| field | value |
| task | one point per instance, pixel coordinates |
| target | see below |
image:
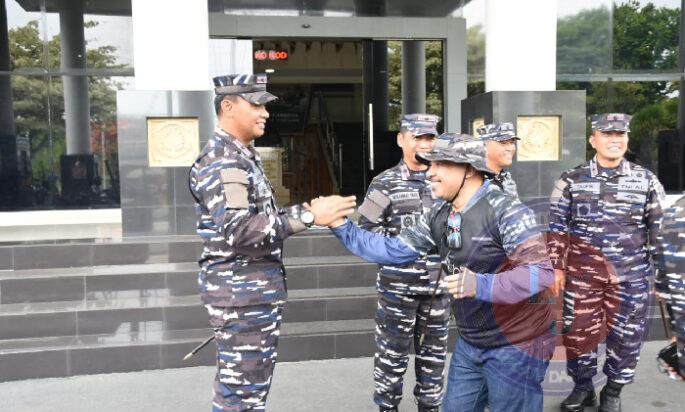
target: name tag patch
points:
(592, 187)
(633, 183)
(404, 196)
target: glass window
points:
(37, 173)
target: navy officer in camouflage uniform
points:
(395, 200)
(605, 216)
(670, 282)
(500, 142)
(496, 262)
(242, 279)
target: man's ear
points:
(399, 139)
(227, 107)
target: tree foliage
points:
(629, 38)
(434, 75)
(38, 101)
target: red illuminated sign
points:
(270, 55)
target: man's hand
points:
(559, 282)
(462, 284)
(331, 210)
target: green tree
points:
(475, 60)
(434, 86)
(38, 98)
(642, 37)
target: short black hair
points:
(221, 97)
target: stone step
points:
(86, 253)
(118, 315)
(165, 279)
(144, 350)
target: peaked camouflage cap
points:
(458, 148)
(498, 132)
(611, 122)
(251, 87)
(420, 123)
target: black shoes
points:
(578, 400)
(421, 409)
(609, 398)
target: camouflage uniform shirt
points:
(604, 223)
(241, 229)
(407, 194)
(504, 180)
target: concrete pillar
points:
(6, 112)
(170, 44)
(380, 84)
(73, 62)
(413, 77)
(520, 45)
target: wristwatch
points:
(307, 217)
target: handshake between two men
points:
(331, 211)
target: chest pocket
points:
(585, 198)
(263, 193)
(629, 207)
(404, 203)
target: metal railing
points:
(332, 148)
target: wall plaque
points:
(173, 141)
(475, 124)
(540, 138)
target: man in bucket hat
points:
(500, 143)
(242, 279)
(496, 263)
(396, 198)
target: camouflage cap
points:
(420, 123)
(609, 122)
(458, 148)
(251, 87)
(498, 132)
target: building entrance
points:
(335, 122)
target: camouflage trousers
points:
(593, 308)
(246, 339)
(400, 319)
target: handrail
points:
(332, 148)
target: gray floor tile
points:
(351, 308)
(297, 348)
(45, 364)
(37, 325)
(113, 359)
(69, 288)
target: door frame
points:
(451, 30)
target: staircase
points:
(85, 307)
(81, 307)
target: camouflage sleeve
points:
(653, 217)
(559, 221)
(531, 271)
(670, 279)
(228, 196)
(375, 210)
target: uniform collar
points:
(408, 174)
(623, 168)
(248, 151)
